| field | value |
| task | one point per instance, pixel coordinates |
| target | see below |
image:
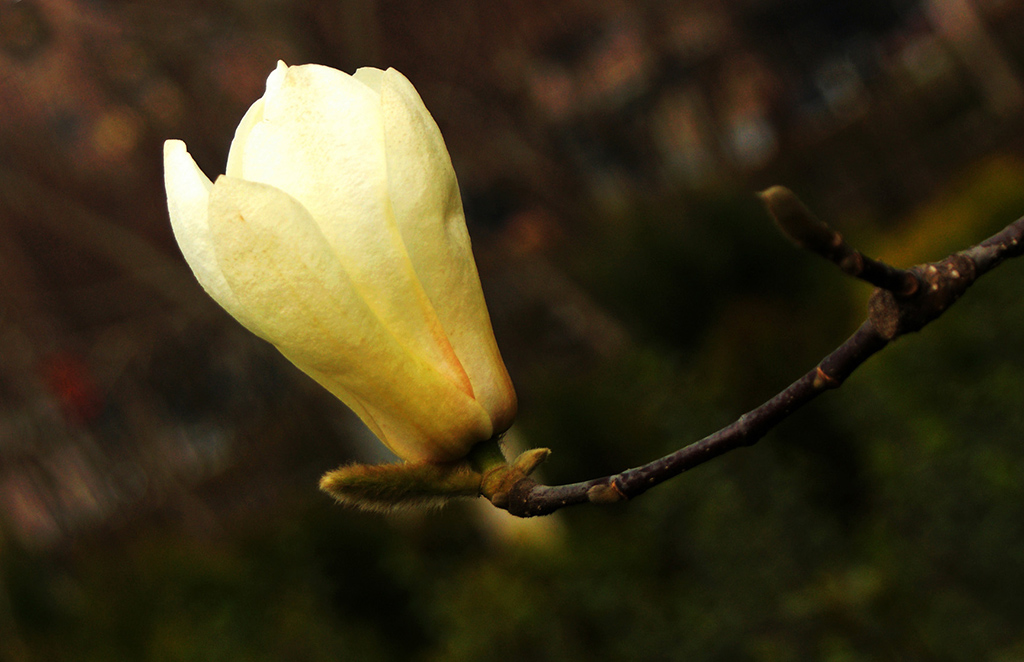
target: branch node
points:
(605, 493)
(943, 283)
(824, 380)
(852, 264)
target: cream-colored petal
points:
(420, 428)
(274, 255)
(252, 117)
(428, 209)
(188, 197)
(321, 141)
(369, 76)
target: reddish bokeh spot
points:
(70, 380)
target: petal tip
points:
(276, 77)
(174, 146)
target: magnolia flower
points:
(337, 234)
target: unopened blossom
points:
(337, 234)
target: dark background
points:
(158, 465)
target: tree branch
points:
(906, 300)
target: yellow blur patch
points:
(969, 210)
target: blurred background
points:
(158, 464)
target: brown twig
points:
(807, 231)
(896, 308)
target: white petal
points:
(188, 196)
(428, 209)
(322, 142)
(416, 422)
(252, 117)
(370, 77)
(287, 276)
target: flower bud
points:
(337, 234)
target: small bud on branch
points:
(807, 231)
